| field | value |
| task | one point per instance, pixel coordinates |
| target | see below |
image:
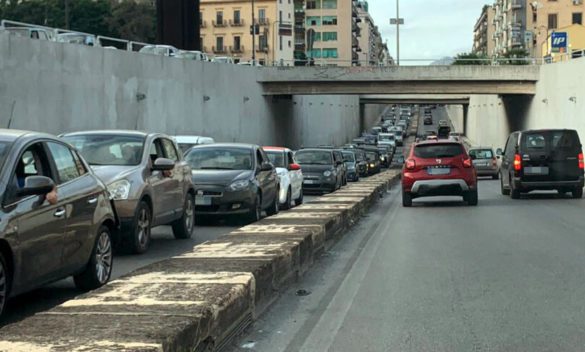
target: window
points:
(329, 20)
(577, 18)
(552, 21)
(315, 53)
(67, 168)
(329, 4)
(263, 41)
(219, 17)
(277, 158)
(237, 42)
(262, 14)
(317, 36)
(330, 53)
(438, 150)
(313, 4)
(156, 150)
(170, 151)
(481, 154)
(329, 36)
(32, 162)
(219, 43)
(237, 16)
(313, 21)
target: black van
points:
(542, 160)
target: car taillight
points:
(410, 164)
(467, 162)
(517, 162)
(581, 162)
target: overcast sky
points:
(433, 29)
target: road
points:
(504, 276)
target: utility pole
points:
(253, 34)
(67, 14)
(397, 21)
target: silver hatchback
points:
(484, 161)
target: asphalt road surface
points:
(507, 275)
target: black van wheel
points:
(577, 193)
(505, 191)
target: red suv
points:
(438, 168)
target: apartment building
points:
(483, 32)
(526, 25)
(226, 30)
(371, 48)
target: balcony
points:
(237, 49)
(219, 49)
(515, 4)
(262, 48)
(222, 23)
(202, 24)
(263, 21)
(238, 23)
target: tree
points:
(133, 21)
(517, 57)
(89, 16)
(471, 59)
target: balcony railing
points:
(219, 49)
(238, 23)
(263, 21)
(237, 49)
(262, 48)
(222, 23)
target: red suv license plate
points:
(438, 170)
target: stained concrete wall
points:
(455, 115)
(54, 87)
(487, 124)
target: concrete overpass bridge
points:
(458, 80)
(415, 99)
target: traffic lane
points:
(443, 276)
(163, 246)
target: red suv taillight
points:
(467, 162)
(517, 162)
(581, 162)
(410, 164)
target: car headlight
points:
(239, 185)
(372, 165)
(327, 173)
(119, 190)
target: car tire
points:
(514, 193)
(299, 200)
(577, 193)
(183, 227)
(275, 207)
(4, 283)
(141, 229)
(471, 197)
(406, 199)
(287, 203)
(255, 212)
(504, 191)
(99, 268)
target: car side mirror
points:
(294, 167)
(266, 167)
(163, 164)
(499, 152)
(36, 186)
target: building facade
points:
(484, 31)
(371, 48)
(226, 30)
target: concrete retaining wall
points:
(55, 88)
(201, 299)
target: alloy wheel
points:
(189, 214)
(143, 227)
(103, 257)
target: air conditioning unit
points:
(577, 2)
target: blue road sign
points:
(559, 42)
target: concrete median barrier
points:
(201, 299)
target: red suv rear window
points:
(443, 150)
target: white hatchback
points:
(290, 175)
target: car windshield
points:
(386, 137)
(4, 148)
(108, 149)
(314, 157)
(220, 158)
(276, 158)
(481, 153)
(370, 156)
(437, 150)
(186, 146)
(349, 156)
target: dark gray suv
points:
(56, 216)
(542, 160)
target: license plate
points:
(202, 200)
(438, 170)
(536, 170)
(310, 182)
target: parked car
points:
(373, 159)
(386, 155)
(77, 38)
(191, 55)
(29, 32)
(290, 176)
(233, 179)
(484, 161)
(186, 142)
(56, 216)
(387, 139)
(350, 160)
(438, 168)
(542, 160)
(223, 60)
(147, 178)
(322, 172)
(428, 120)
(161, 50)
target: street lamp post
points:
(253, 34)
(397, 21)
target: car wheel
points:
(406, 199)
(140, 240)
(288, 202)
(344, 181)
(503, 190)
(577, 193)
(471, 197)
(99, 269)
(274, 208)
(183, 227)
(4, 283)
(514, 193)
(299, 200)
(255, 212)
